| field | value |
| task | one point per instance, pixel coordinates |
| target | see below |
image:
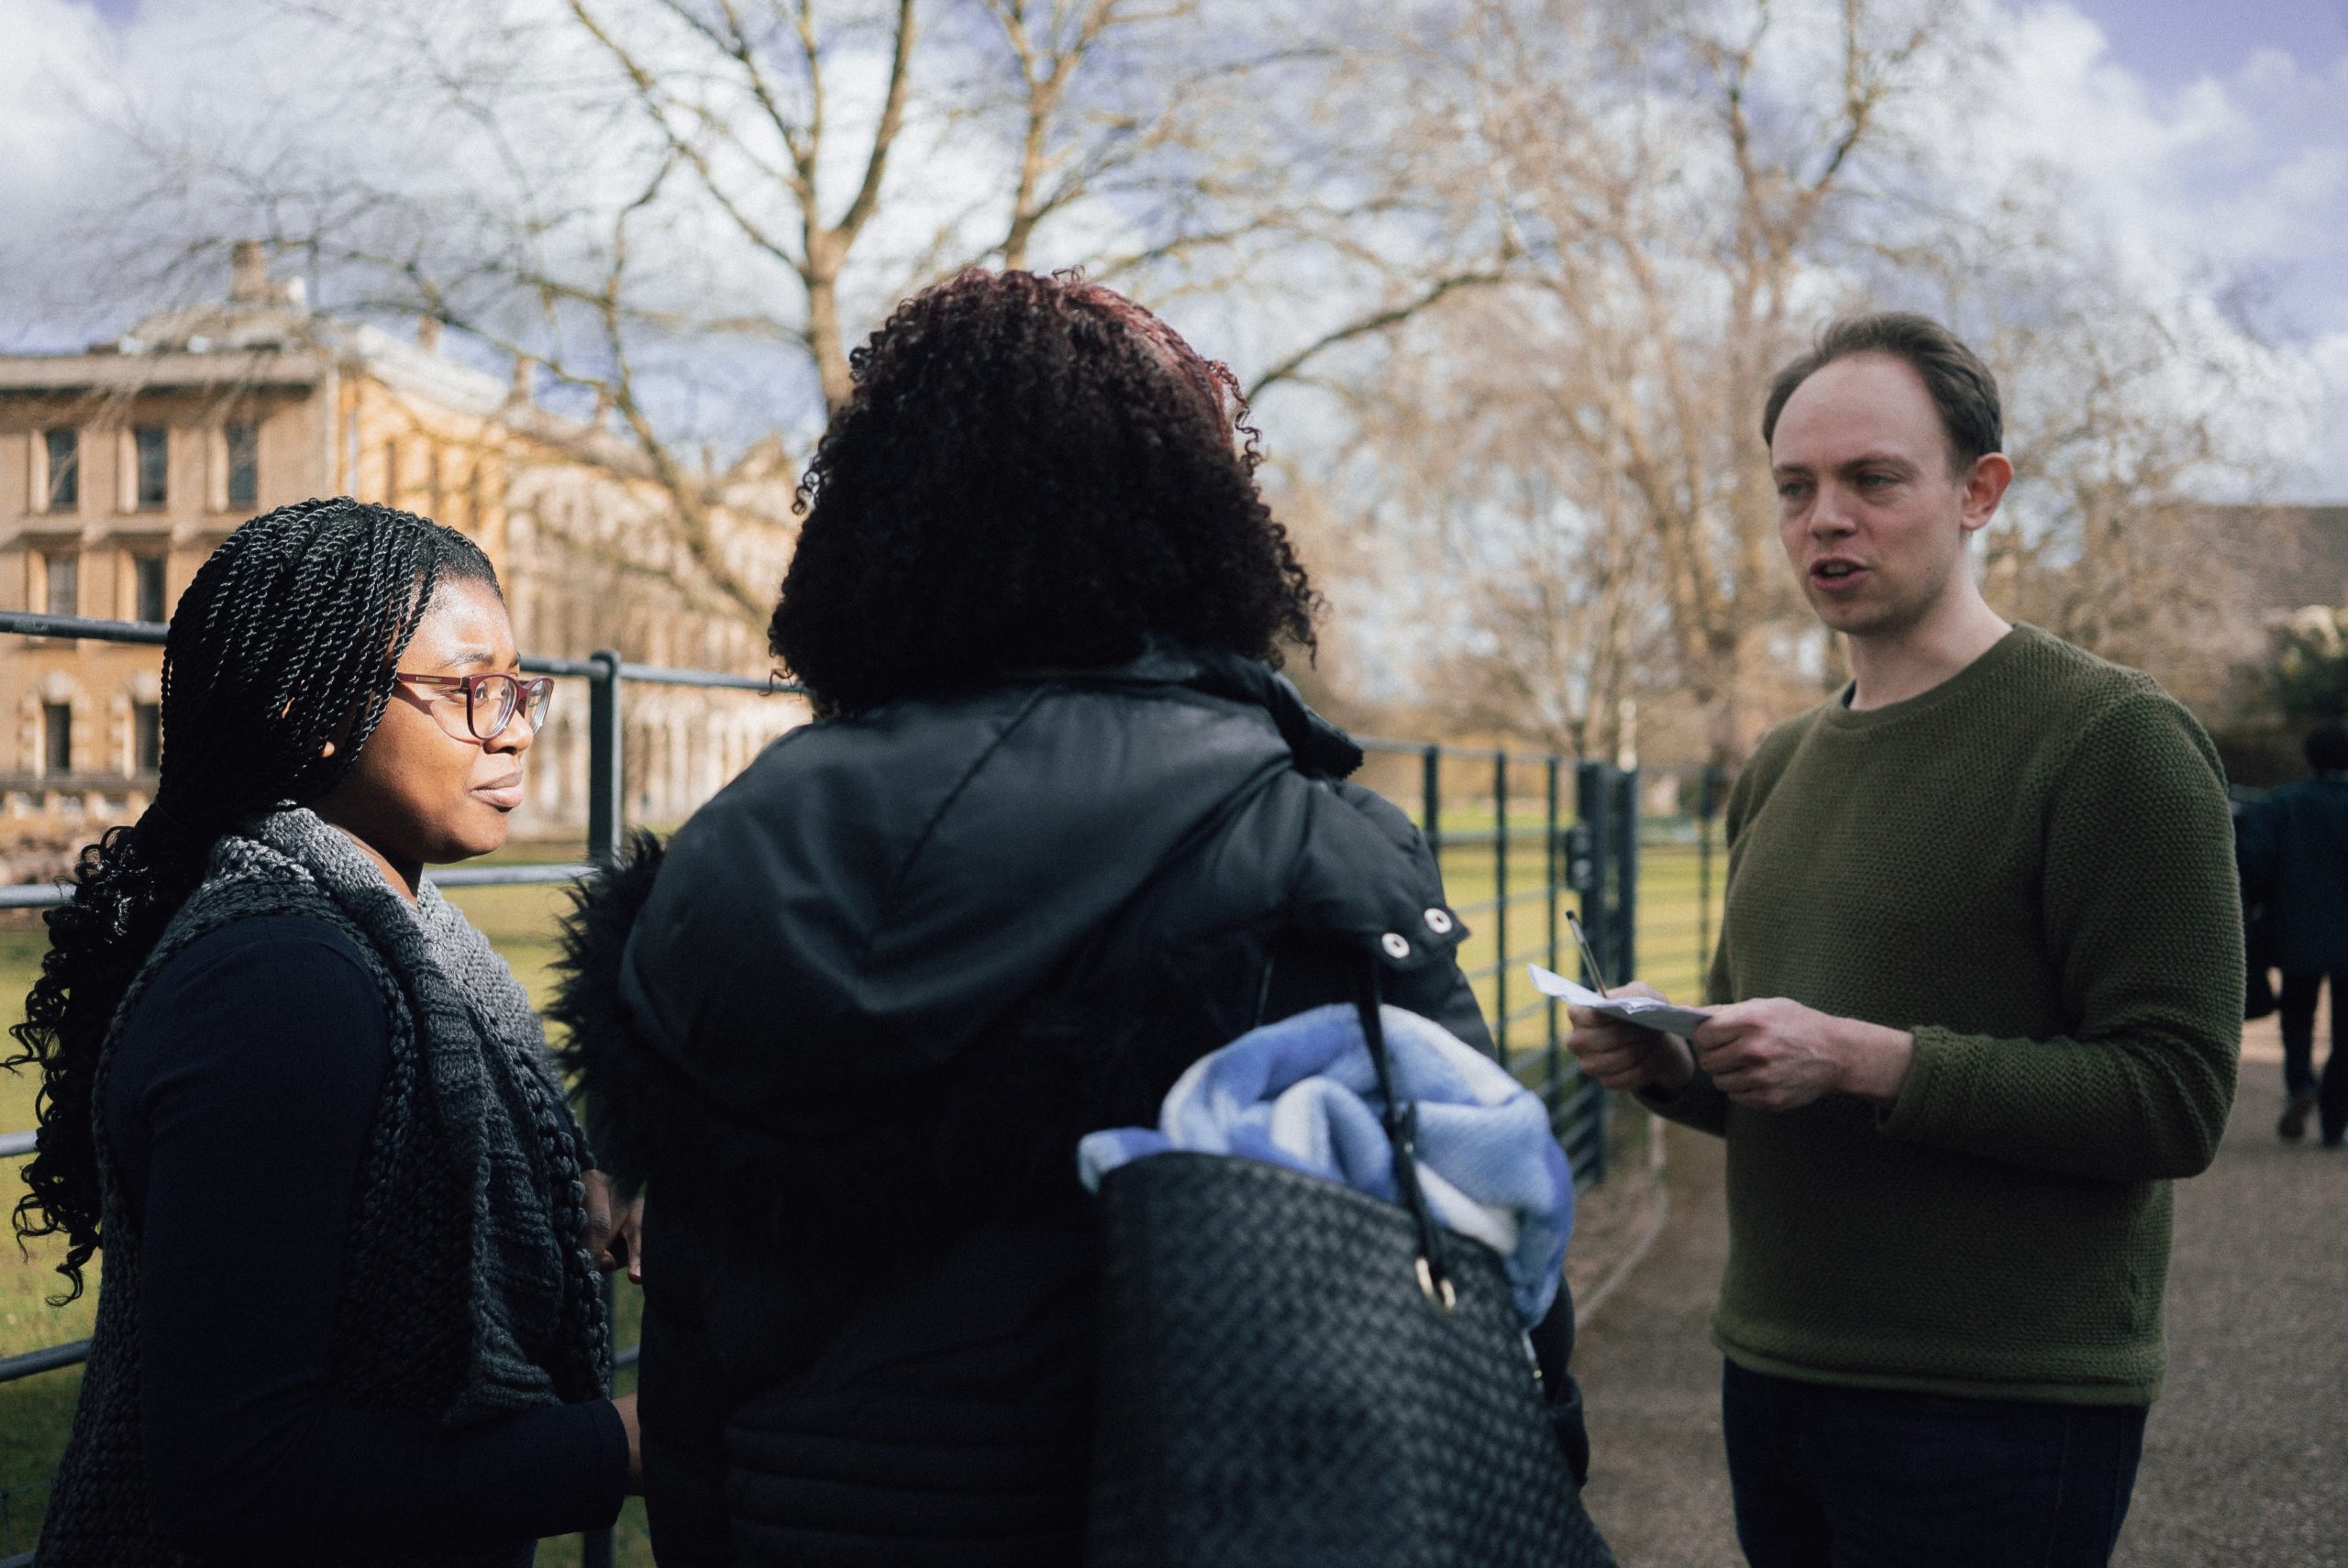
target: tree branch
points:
(1369, 325)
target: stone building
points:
(123, 467)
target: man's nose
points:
(1832, 513)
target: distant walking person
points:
(2295, 857)
(350, 1309)
(1977, 992)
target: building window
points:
(64, 584)
(57, 725)
(391, 471)
(146, 737)
(244, 465)
(64, 453)
(147, 580)
(153, 446)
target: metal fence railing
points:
(1516, 833)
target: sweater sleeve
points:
(2144, 922)
(249, 1076)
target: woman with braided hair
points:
(349, 1310)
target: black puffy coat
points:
(866, 1006)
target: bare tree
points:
(680, 214)
(2104, 541)
(1526, 554)
(1692, 191)
(1680, 187)
(1538, 258)
(2128, 409)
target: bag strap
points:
(1402, 1132)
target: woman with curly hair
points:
(349, 1310)
(1058, 831)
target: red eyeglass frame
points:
(531, 694)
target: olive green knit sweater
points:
(2031, 867)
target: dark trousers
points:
(1858, 1478)
(2296, 1006)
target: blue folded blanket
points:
(1301, 1093)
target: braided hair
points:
(1032, 470)
(287, 639)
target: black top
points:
(850, 1032)
(237, 1111)
(2294, 850)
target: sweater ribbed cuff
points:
(1936, 1073)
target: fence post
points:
(1430, 800)
(1499, 906)
(606, 820)
(607, 775)
(1594, 802)
(1625, 957)
(1590, 804)
(1708, 795)
(1554, 864)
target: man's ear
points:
(1985, 486)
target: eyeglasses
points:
(492, 700)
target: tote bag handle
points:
(1402, 1132)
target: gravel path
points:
(2246, 1459)
(1650, 1378)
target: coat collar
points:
(1321, 748)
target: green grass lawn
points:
(36, 1412)
(1675, 926)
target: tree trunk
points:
(824, 342)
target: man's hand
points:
(1774, 1055)
(1624, 1056)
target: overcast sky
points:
(2255, 96)
(2225, 127)
(2213, 134)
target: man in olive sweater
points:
(1976, 1004)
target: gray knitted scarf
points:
(467, 1292)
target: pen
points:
(1588, 958)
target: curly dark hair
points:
(1032, 472)
(286, 639)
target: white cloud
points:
(56, 71)
(71, 86)
(2249, 173)
(2230, 189)
(61, 55)
(2220, 201)
(2326, 460)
